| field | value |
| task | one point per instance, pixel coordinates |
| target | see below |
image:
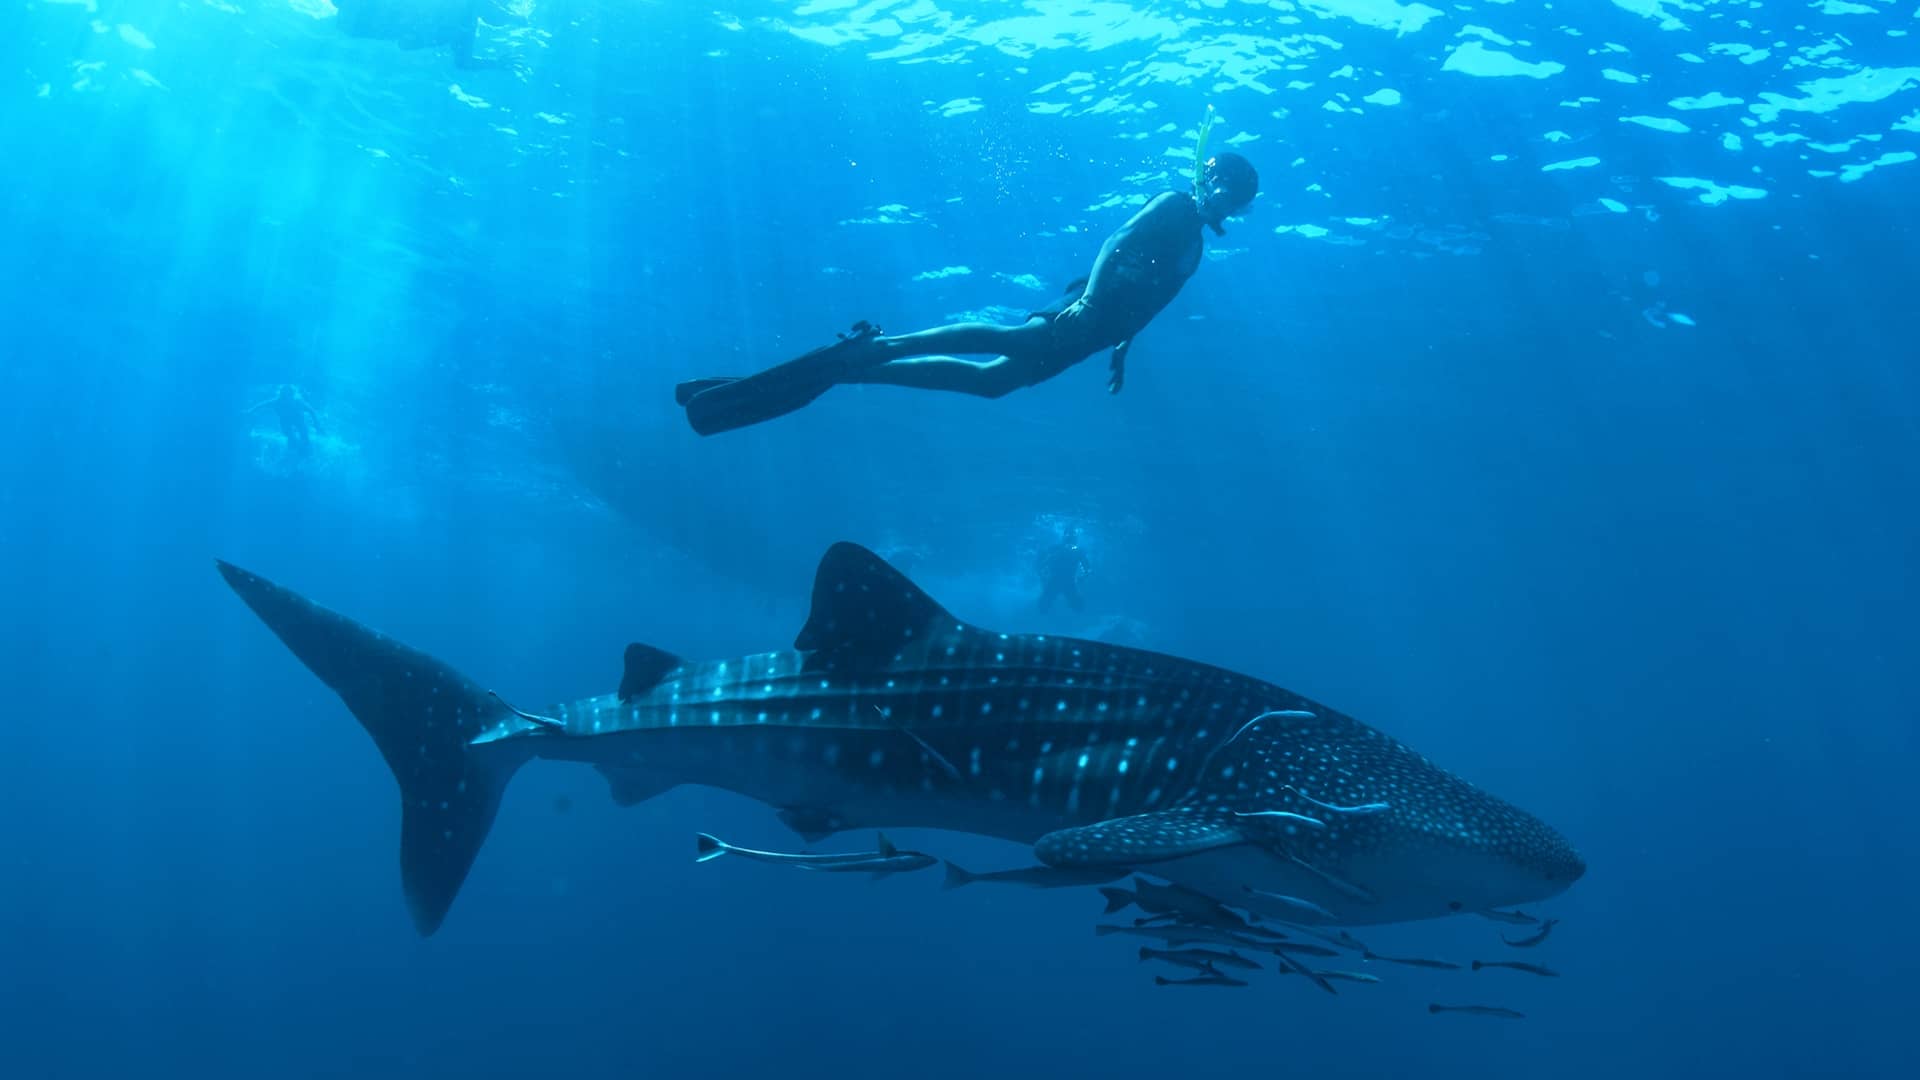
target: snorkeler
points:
(1139, 270)
(298, 419)
(1061, 567)
(419, 24)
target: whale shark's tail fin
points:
(423, 715)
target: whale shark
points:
(890, 712)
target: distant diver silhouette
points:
(1061, 567)
(298, 420)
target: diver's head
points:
(1228, 183)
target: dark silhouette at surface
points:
(422, 24)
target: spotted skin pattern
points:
(891, 712)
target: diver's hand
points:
(1117, 367)
(1071, 312)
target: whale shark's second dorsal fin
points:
(645, 666)
(866, 612)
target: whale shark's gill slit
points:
(1311, 823)
(1342, 884)
(939, 758)
(1362, 808)
(1271, 714)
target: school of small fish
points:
(1201, 934)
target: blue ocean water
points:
(1554, 409)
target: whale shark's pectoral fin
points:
(1142, 838)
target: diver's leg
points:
(1028, 354)
(866, 356)
(1074, 599)
(967, 339)
(983, 378)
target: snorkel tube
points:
(1200, 192)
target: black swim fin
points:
(684, 392)
(716, 405)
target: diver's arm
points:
(1117, 367)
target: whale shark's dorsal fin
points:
(865, 612)
(645, 666)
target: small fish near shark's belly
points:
(1362, 890)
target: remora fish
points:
(1185, 935)
(1288, 963)
(1170, 900)
(1215, 979)
(1301, 906)
(1349, 976)
(1535, 938)
(1478, 1010)
(889, 711)
(886, 860)
(1531, 969)
(1199, 958)
(1299, 947)
(1412, 961)
(1515, 918)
